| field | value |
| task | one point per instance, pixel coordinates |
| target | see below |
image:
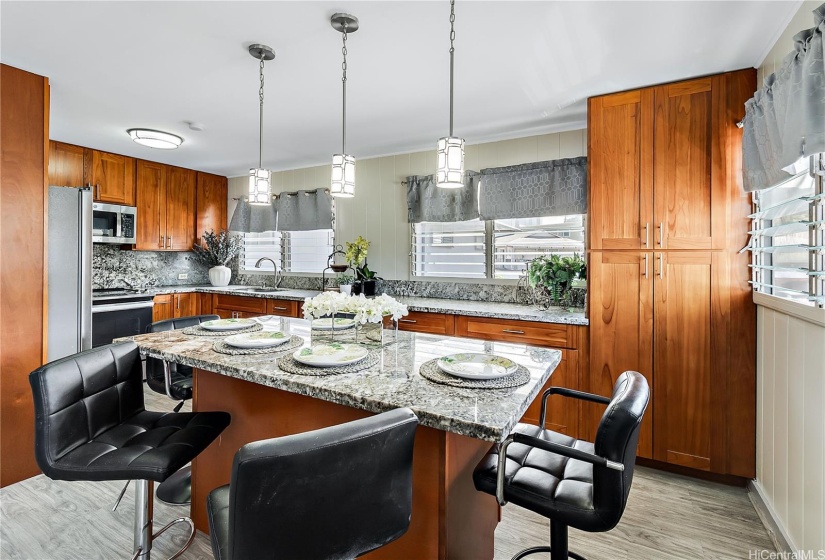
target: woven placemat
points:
(289, 365)
(430, 371)
(222, 347)
(198, 330)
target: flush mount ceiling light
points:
(260, 191)
(343, 165)
(449, 173)
(155, 138)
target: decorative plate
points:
(330, 355)
(476, 366)
(260, 339)
(326, 324)
(228, 324)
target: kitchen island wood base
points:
(450, 519)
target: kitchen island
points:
(450, 518)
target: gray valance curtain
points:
(304, 210)
(785, 120)
(547, 188)
(254, 218)
(428, 203)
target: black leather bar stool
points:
(338, 492)
(572, 482)
(91, 424)
(175, 381)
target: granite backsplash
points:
(113, 267)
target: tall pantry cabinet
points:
(668, 291)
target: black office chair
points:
(572, 482)
(91, 424)
(338, 492)
(175, 381)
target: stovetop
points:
(112, 294)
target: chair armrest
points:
(581, 395)
(547, 446)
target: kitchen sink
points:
(260, 290)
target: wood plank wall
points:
(24, 138)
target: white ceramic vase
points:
(345, 289)
(220, 275)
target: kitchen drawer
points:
(283, 307)
(508, 330)
(224, 313)
(431, 323)
(239, 303)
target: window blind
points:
(448, 249)
(788, 237)
(294, 251)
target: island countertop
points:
(486, 414)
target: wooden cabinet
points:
(211, 204)
(65, 165)
(677, 309)
(165, 203)
(172, 306)
(432, 323)
(111, 176)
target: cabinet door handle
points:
(407, 321)
(661, 232)
(509, 331)
(645, 273)
(169, 242)
(97, 191)
(647, 235)
(177, 301)
(162, 240)
(279, 308)
(661, 266)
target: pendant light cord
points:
(344, 85)
(261, 120)
(452, 56)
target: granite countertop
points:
(487, 414)
(492, 309)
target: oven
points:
(118, 313)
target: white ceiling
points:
(522, 68)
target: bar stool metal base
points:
(177, 489)
(558, 545)
(143, 524)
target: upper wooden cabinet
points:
(166, 207)
(111, 176)
(65, 165)
(660, 164)
(211, 199)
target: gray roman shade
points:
(548, 188)
(428, 203)
(785, 120)
(253, 218)
(304, 210)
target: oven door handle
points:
(121, 306)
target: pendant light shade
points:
(449, 172)
(343, 165)
(260, 186)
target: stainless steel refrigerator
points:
(70, 271)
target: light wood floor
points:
(667, 517)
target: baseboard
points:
(780, 537)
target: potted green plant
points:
(345, 283)
(554, 277)
(356, 255)
(215, 251)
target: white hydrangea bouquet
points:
(368, 314)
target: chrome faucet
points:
(277, 273)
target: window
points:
(492, 249)
(788, 239)
(294, 251)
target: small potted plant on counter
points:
(356, 255)
(558, 280)
(215, 251)
(345, 283)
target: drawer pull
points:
(509, 331)
(280, 308)
(407, 321)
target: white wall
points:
(790, 422)
(379, 209)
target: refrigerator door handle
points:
(85, 272)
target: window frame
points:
(284, 255)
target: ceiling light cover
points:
(155, 138)
(449, 172)
(343, 176)
(343, 166)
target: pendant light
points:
(260, 189)
(449, 173)
(343, 165)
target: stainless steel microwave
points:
(112, 223)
